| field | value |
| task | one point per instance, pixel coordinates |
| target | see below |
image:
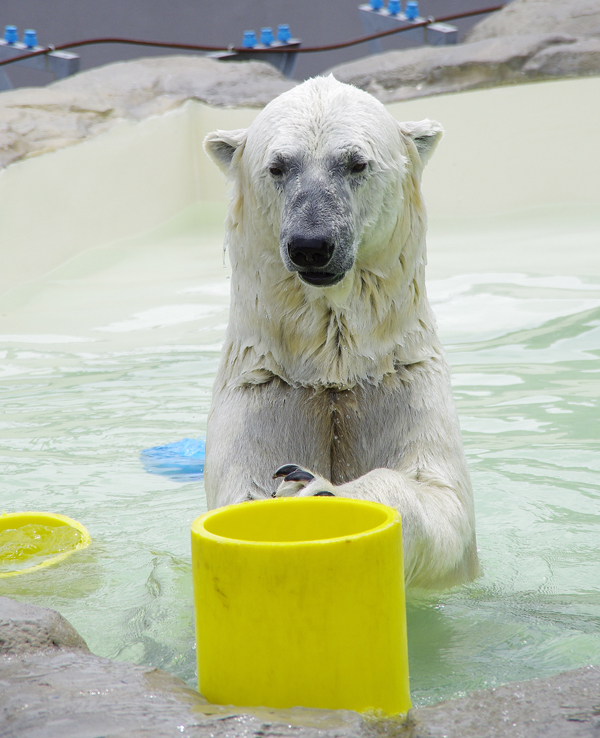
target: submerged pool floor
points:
(116, 351)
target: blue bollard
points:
(412, 9)
(393, 7)
(376, 4)
(249, 41)
(283, 33)
(266, 36)
(10, 35)
(30, 38)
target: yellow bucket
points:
(299, 601)
(30, 541)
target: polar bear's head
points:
(327, 167)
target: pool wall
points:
(505, 149)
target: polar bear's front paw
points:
(300, 482)
(295, 479)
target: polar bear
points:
(332, 379)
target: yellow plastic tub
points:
(33, 540)
(300, 602)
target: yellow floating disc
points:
(33, 540)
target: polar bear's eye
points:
(275, 171)
(358, 166)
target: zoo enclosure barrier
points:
(53, 58)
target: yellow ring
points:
(18, 519)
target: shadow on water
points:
(158, 632)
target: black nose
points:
(310, 253)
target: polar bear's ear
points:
(222, 145)
(425, 134)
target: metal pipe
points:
(240, 49)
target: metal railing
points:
(241, 49)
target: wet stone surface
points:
(26, 628)
(562, 706)
(53, 687)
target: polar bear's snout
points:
(310, 253)
(311, 258)
(317, 234)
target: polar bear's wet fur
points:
(332, 375)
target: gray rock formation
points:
(528, 40)
(522, 17)
(36, 120)
(578, 59)
(166, 81)
(26, 628)
(432, 70)
(564, 706)
(53, 687)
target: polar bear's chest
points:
(368, 427)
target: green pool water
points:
(116, 351)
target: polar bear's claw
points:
(286, 469)
(294, 473)
(324, 493)
(295, 480)
(300, 475)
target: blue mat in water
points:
(181, 461)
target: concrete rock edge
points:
(425, 71)
(52, 686)
(26, 628)
(576, 17)
(566, 705)
(527, 41)
(37, 120)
